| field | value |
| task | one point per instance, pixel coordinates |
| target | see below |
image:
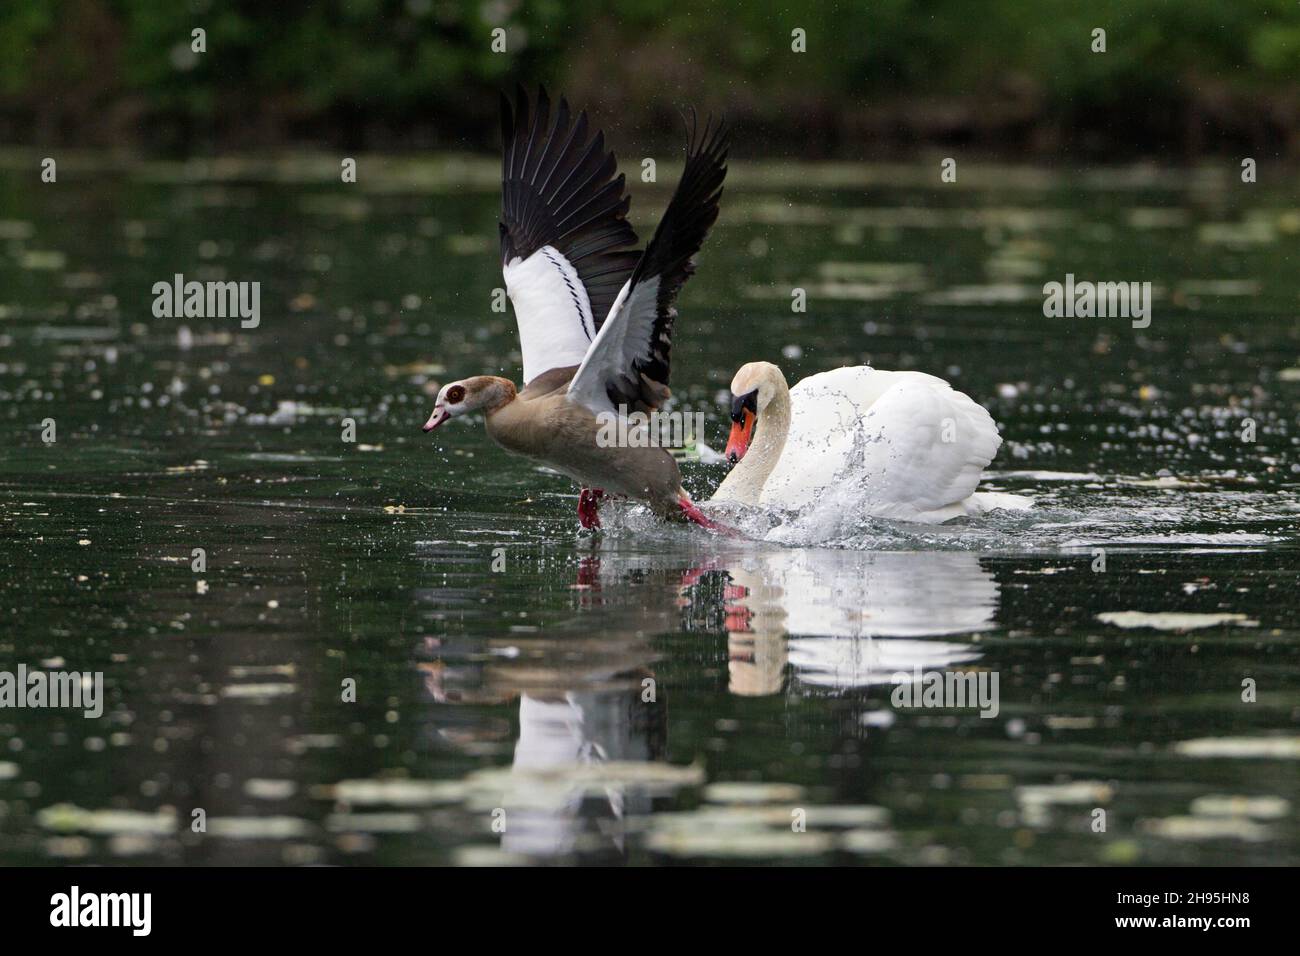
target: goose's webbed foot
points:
(694, 514)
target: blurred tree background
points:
(1179, 77)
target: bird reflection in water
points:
(801, 621)
(849, 619)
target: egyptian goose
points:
(595, 318)
(899, 445)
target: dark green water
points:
(518, 698)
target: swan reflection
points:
(845, 619)
(587, 693)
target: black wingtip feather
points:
(670, 256)
(558, 189)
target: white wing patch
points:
(552, 309)
(624, 337)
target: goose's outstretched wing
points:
(628, 364)
(564, 231)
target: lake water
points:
(529, 692)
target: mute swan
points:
(563, 252)
(904, 445)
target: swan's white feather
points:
(905, 444)
(552, 309)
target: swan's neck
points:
(745, 482)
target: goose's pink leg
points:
(588, 503)
(588, 573)
(699, 517)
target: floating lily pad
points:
(270, 789)
(1259, 808)
(70, 818)
(869, 841)
(1207, 828)
(1084, 792)
(1268, 748)
(1173, 620)
(397, 793)
(752, 792)
(258, 828)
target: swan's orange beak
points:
(437, 418)
(738, 441)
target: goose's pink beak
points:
(437, 418)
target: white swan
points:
(899, 445)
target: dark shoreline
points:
(845, 131)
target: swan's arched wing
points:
(926, 447)
(564, 231)
(628, 364)
(899, 444)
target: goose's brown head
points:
(484, 393)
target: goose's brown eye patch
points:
(455, 394)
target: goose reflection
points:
(586, 695)
(600, 719)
